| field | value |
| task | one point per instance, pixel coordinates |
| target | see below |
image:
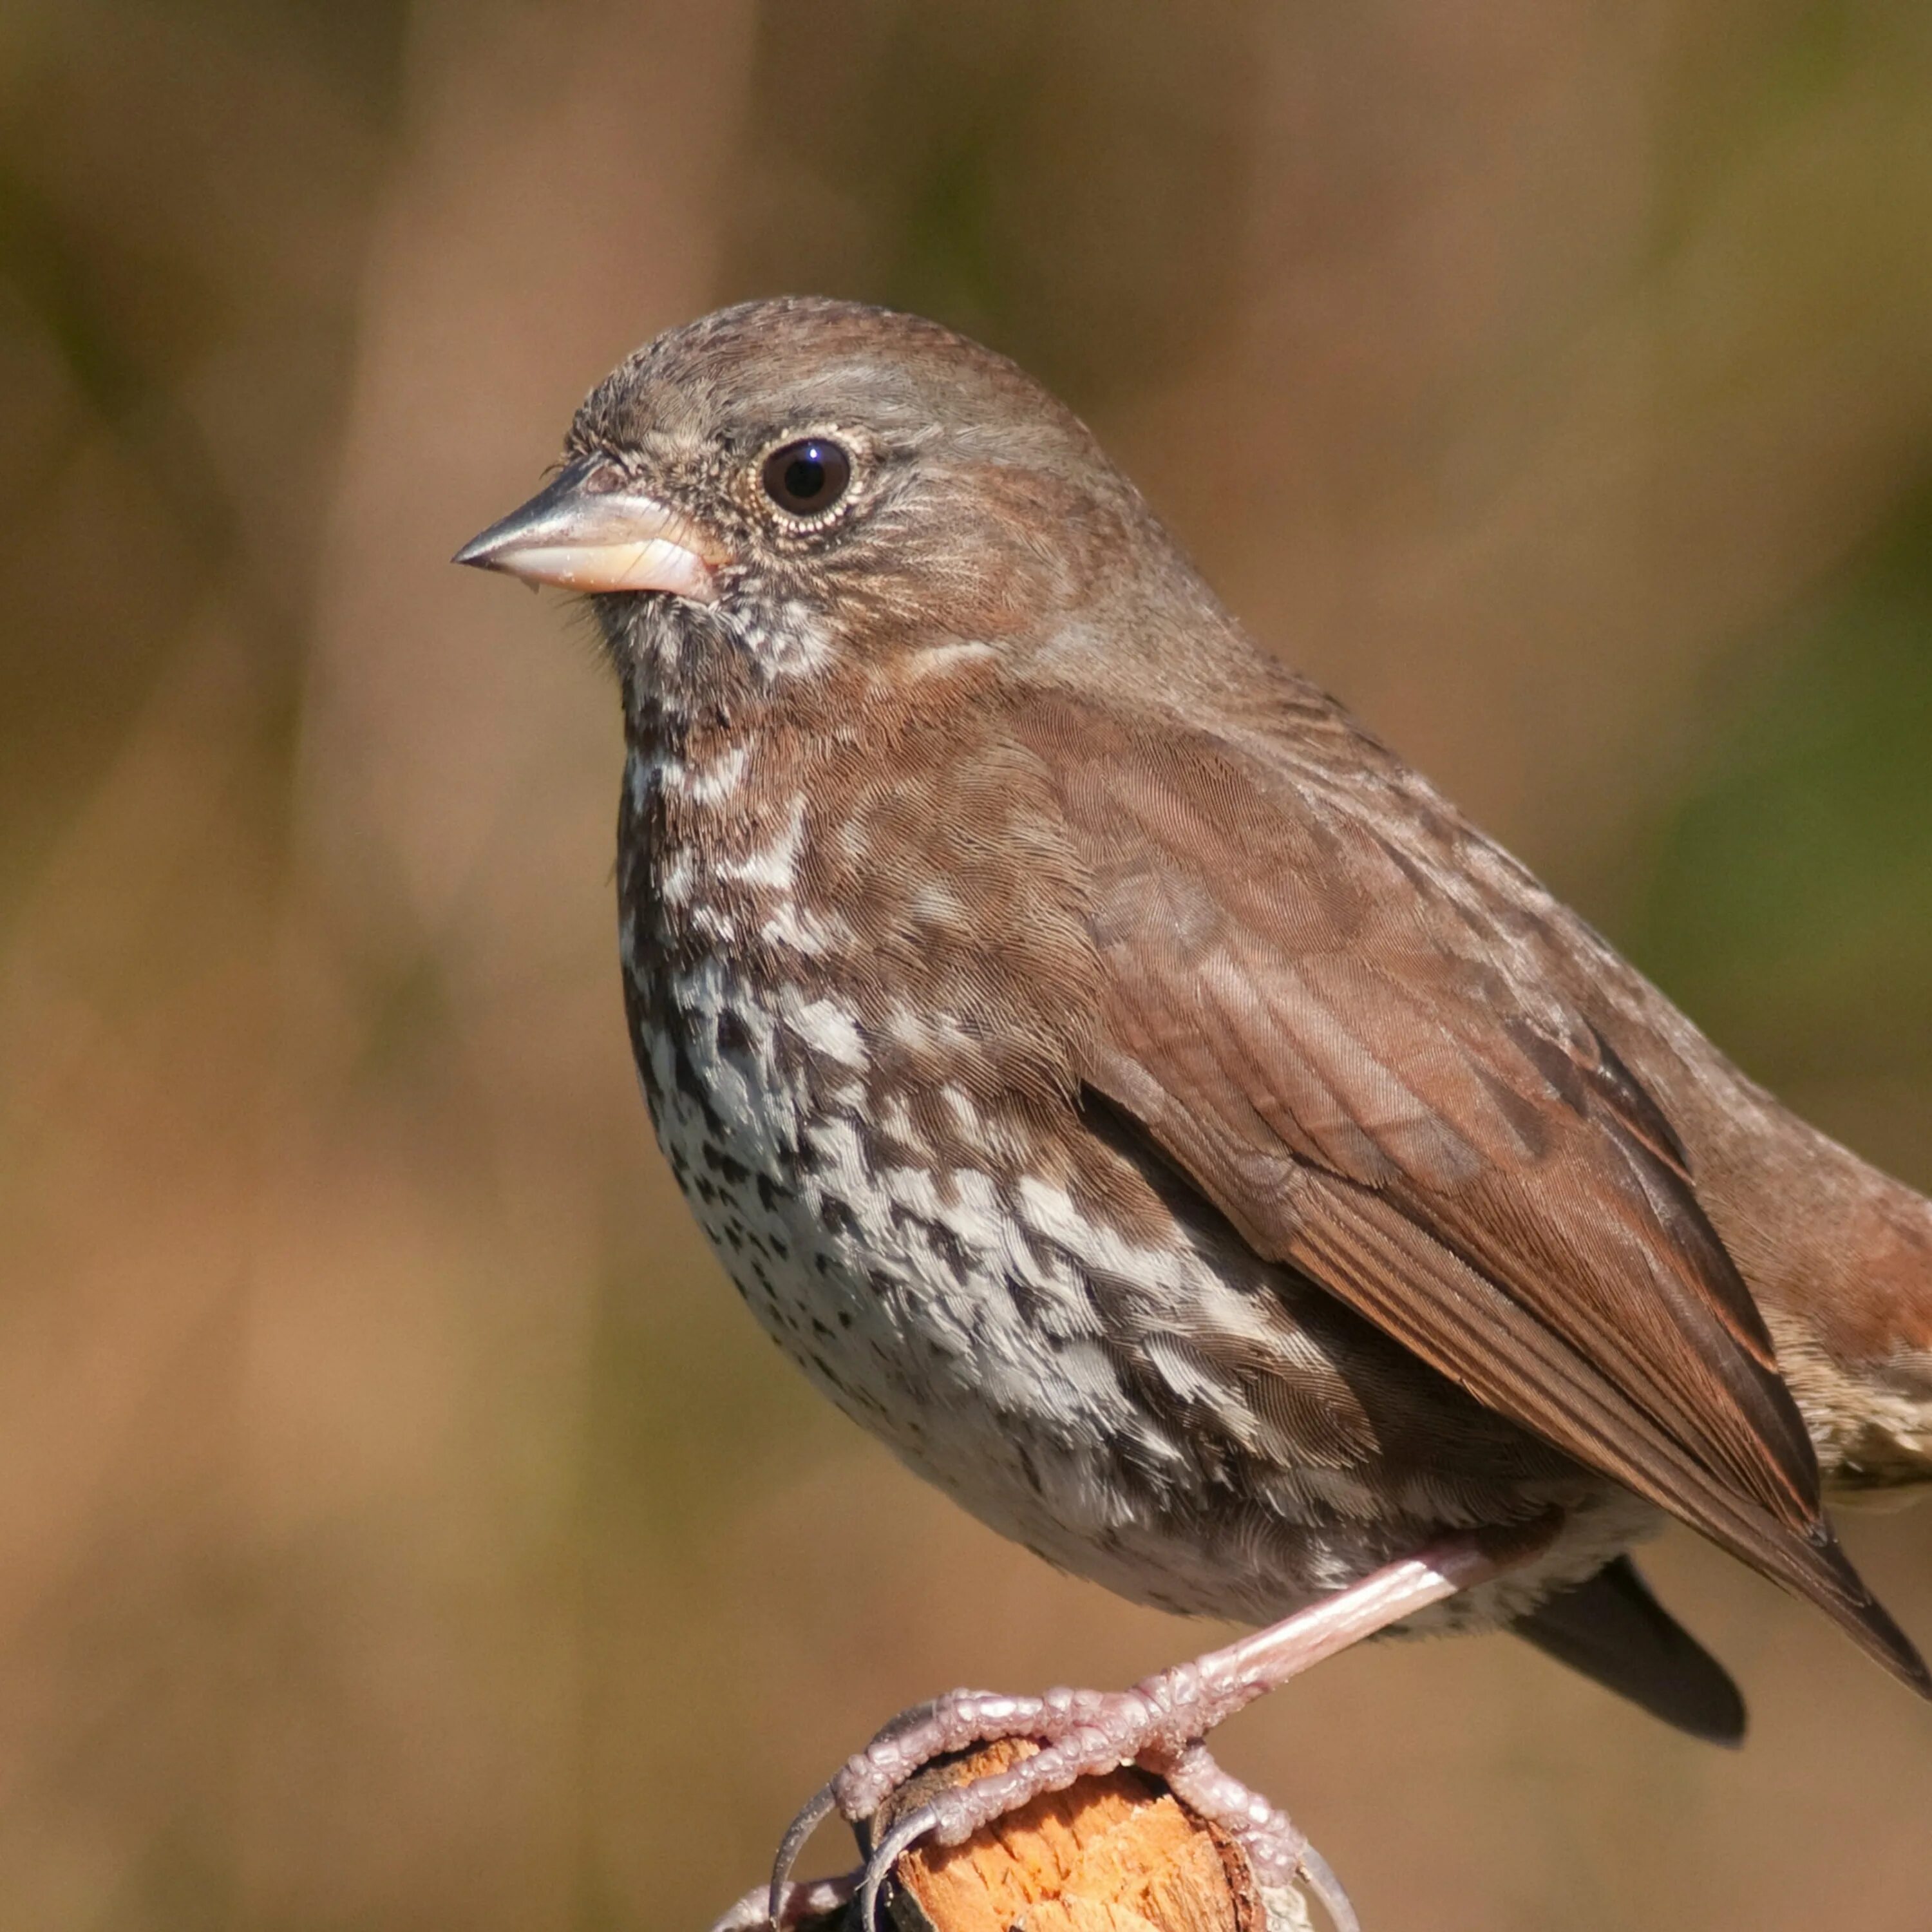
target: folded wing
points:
(1320, 994)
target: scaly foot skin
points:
(1278, 1855)
(1159, 1724)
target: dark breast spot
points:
(734, 1173)
(951, 1250)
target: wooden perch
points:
(1112, 1854)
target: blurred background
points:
(401, 1526)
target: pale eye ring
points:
(807, 478)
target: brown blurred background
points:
(401, 1525)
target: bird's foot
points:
(1081, 1734)
(1159, 1725)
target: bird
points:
(1127, 1088)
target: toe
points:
(954, 1723)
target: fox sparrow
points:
(1124, 1085)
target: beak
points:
(590, 529)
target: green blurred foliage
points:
(1790, 901)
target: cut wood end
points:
(1112, 1854)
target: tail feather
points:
(1613, 1630)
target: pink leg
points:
(1159, 1723)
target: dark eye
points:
(807, 477)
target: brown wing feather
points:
(1345, 1043)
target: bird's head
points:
(800, 483)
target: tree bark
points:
(1113, 1854)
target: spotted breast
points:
(991, 1273)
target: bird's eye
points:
(806, 477)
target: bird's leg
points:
(1159, 1723)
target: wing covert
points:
(1347, 1045)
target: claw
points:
(886, 1854)
(816, 1810)
(1322, 1881)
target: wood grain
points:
(1112, 1854)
